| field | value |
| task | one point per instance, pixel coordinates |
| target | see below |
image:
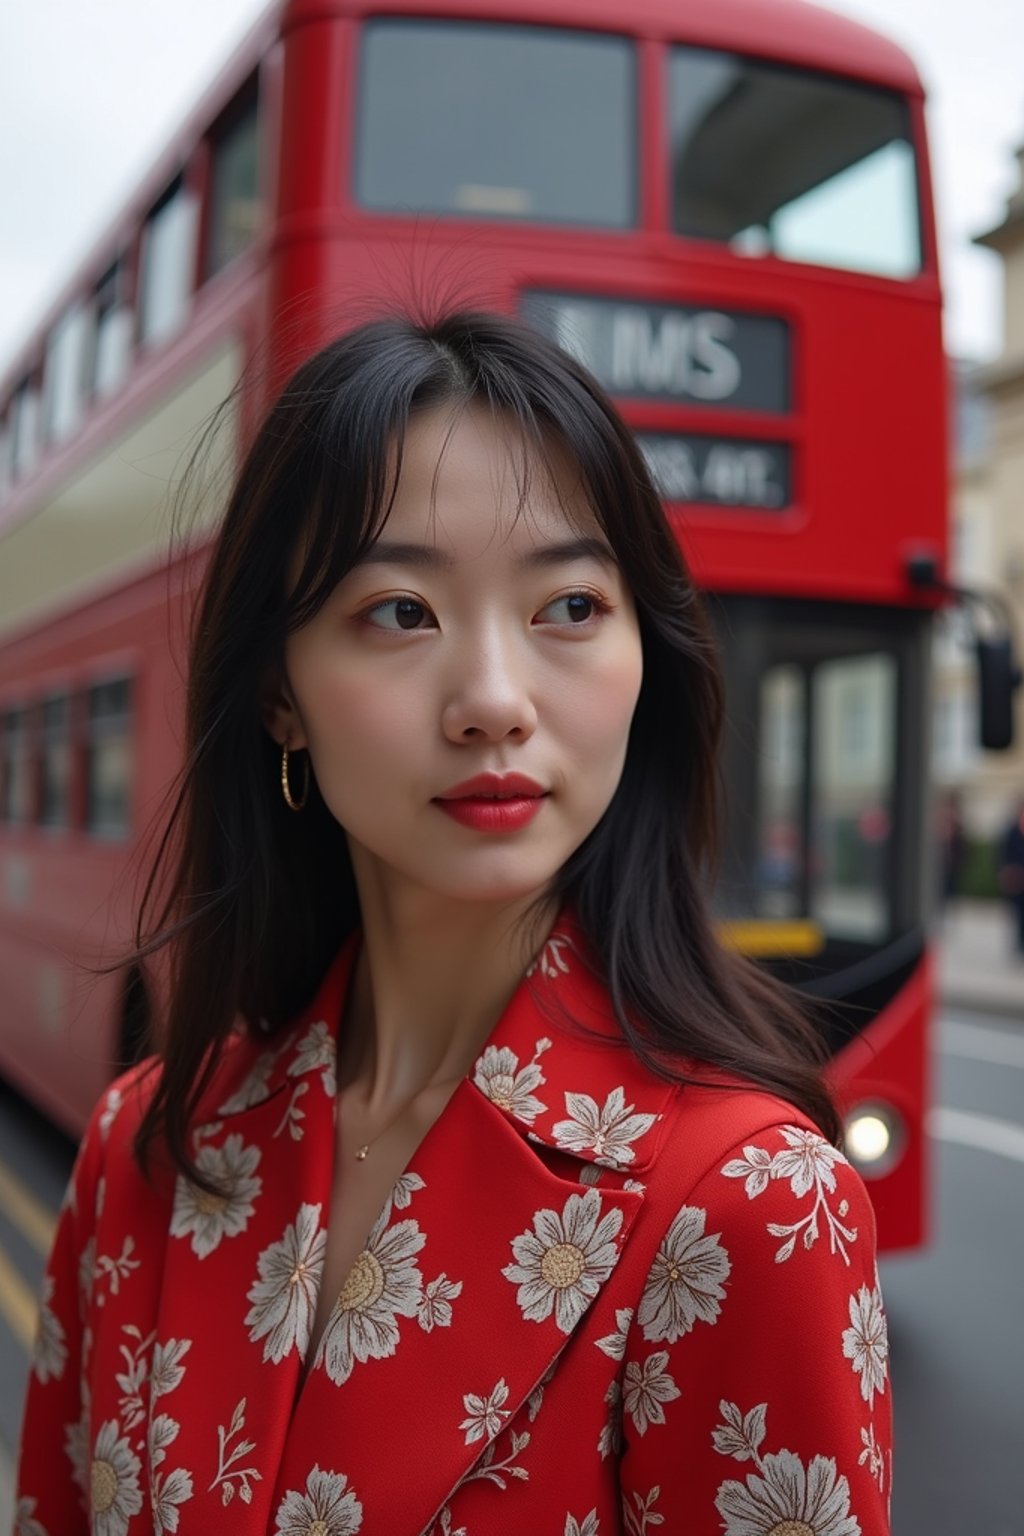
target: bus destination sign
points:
(672, 352)
(718, 471)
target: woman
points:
(479, 1189)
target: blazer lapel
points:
(492, 1248)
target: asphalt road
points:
(955, 1321)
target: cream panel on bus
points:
(114, 516)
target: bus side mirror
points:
(998, 680)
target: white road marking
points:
(977, 1043)
(983, 1132)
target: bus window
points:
(493, 121)
(14, 767)
(64, 374)
(235, 208)
(108, 773)
(781, 766)
(782, 162)
(5, 459)
(168, 263)
(112, 334)
(24, 429)
(55, 761)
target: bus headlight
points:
(875, 1137)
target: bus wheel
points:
(136, 1019)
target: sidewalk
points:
(977, 964)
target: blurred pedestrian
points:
(1011, 871)
(952, 845)
(478, 1186)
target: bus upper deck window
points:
(168, 263)
(55, 761)
(494, 121)
(64, 374)
(235, 207)
(15, 782)
(788, 163)
(112, 333)
(24, 429)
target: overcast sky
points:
(89, 93)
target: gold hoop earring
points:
(293, 804)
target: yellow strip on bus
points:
(764, 937)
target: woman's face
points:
(478, 637)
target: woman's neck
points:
(430, 983)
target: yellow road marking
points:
(17, 1303)
(32, 1218)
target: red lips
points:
(495, 786)
(493, 802)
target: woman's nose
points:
(489, 698)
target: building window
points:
(55, 761)
(108, 774)
(64, 374)
(168, 263)
(14, 767)
(235, 207)
(112, 336)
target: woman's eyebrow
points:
(560, 552)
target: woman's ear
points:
(280, 713)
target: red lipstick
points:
(493, 802)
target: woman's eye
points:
(572, 608)
(400, 613)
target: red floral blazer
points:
(594, 1303)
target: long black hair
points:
(256, 901)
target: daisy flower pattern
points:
(866, 1342)
(562, 1264)
(501, 1079)
(607, 1132)
(328, 1507)
(435, 1305)
(784, 1495)
(284, 1297)
(647, 1387)
(208, 1218)
(316, 1053)
(114, 1489)
(484, 1415)
(253, 1088)
(686, 1284)
(25, 1523)
(383, 1284)
(50, 1351)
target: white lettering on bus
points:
(678, 354)
(740, 477)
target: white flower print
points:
(316, 1053)
(484, 1415)
(168, 1371)
(686, 1282)
(87, 1271)
(114, 1483)
(327, 1508)
(50, 1351)
(807, 1161)
(435, 1305)
(607, 1132)
(866, 1342)
(208, 1218)
(500, 1078)
(565, 1260)
(76, 1448)
(133, 1378)
(553, 959)
(162, 1432)
(25, 1523)
(383, 1284)
(110, 1111)
(647, 1387)
(105, 1268)
(614, 1344)
(642, 1515)
(590, 1525)
(167, 1492)
(609, 1441)
(227, 1472)
(253, 1088)
(535, 1401)
(786, 1495)
(400, 1195)
(284, 1297)
(873, 1455)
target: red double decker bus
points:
(726, 212)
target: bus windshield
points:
(784, 162)
(824, 755)
(496, 121)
